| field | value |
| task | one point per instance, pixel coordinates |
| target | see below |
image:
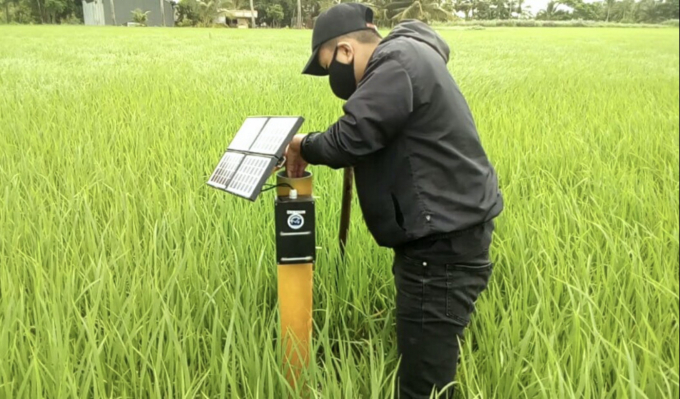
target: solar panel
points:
(251, 175)
(247, 134)
(225, 169)
(251, 156)
(274, 135)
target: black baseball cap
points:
(338, 20)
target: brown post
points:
(346, 208)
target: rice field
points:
(123, 275)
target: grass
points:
(122, 275)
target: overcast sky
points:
(538, 5)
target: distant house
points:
(98, 12)
(237, 18)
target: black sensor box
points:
(295, 230)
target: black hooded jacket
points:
(419, 165)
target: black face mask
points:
(341, 77)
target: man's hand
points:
(295, 165)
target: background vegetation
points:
(277, 13)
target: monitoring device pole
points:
(246, 165)
(295, 254)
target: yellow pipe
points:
(295, 286)
(295, 306)
(303, 185)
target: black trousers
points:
(438, 282)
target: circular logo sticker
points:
(295, 221)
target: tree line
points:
(301, 13)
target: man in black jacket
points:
(425, 185)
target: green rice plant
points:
(123, 275)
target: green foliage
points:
(71, 20)
(123, 275)
(276, 14)
(423, 10)
(529, 23)
(287, 7)
(204, 12)
(140, 16)
(40, 11)
(54, 8)
(387, 12)
(187, 11)
(550, 23)
(185, 22)
(21, 13)
(209, 10)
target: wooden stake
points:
(346, 209)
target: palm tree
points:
(326, 4)
(6, 2)
(381, 16)
(550, 10)
(299, 14)
(139, 16)
(208, 10)
(423, 10)
(610, 3)
(464, 6)
(378, 8)
(113, 13)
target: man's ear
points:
(345, 52)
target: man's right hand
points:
(295, 164)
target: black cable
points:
(273, 186)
